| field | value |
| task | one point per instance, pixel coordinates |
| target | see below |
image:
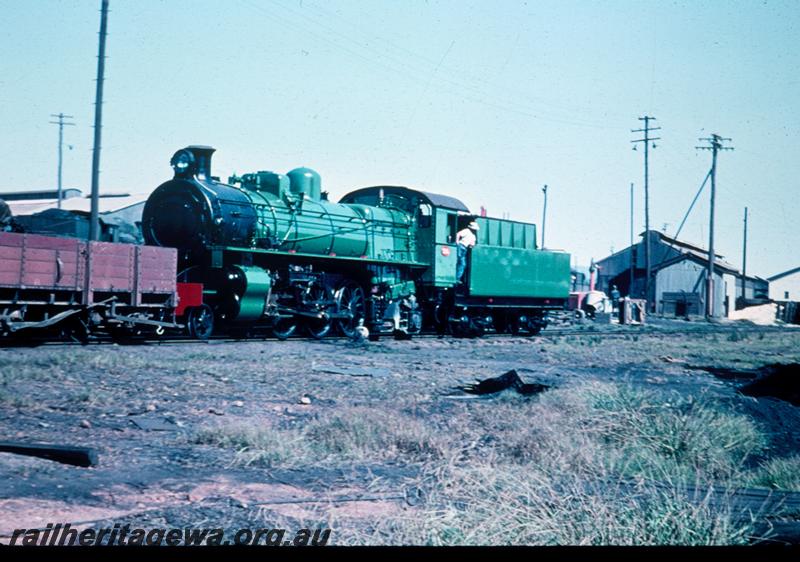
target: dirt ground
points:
(145, 411)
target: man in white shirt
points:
(465, 239)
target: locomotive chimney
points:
(202, 159)
(192, 161)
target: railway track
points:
(602, 331)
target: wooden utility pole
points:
(744, 259)
(544, 213)
(61, 123)
(646, 140)
(715, 145)
(633, 263)
(94, 224)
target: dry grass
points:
(594, 464)
(779, 473)
(576, 465)
(491, 504)
(629, 431)
(736, 349)
(354, 434)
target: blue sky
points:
(483, 100)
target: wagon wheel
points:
(283, 328)
(121, 334)
(200, 322)
(318, 298)
(78, 330)
(350, 301)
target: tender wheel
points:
(465, 327)
(350, 300)
(283, 328)
(535, 325)
(500, 323)
(507, 323)
(200, 322)
(513, 323)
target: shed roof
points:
(784, 274)
(76, 204)
(682, 243)
(697, 258)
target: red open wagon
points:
(74, 286)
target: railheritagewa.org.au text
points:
(62, 534)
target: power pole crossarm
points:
(61, 123)
(715, 145)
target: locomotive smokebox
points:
(193, 211)
(191, 161)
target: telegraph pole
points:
(715, 145)
(646, 140)
(544, 212)
(630, 285)
(94, 225)
(744, 259)
(61, 123)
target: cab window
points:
(452, 228)
(424, 215)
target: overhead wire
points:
(461, 73)
(402, 67)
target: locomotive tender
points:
(268, 250)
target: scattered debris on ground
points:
(777, 380)
(76, 456)
(154, 424)
(357, 371)
(511, 379)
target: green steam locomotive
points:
(269, 251)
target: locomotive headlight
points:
(182, 162)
